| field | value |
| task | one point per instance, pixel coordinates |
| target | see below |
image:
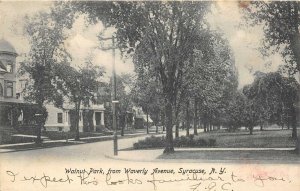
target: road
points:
(54, 162)
(81, 152)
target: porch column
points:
(94, 121)
(102, 118)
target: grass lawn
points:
(259, 139)
(242, 139)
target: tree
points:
(281, 27)
(164, 30)
(214, 78)
(235, 111)
(124, 88)
(250, 115)
(241, 112)
(275, 97)
(124, 95)
(78, 86)
(280, 20)
(45, 32)
(147, 95)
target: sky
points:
(83, 39)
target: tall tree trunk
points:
(296, 52)
(294, 124)
(294, 132)
(39, 124)
(122, 123)
(176, 110)
(156, 125)
(147, 122)
(251, 130)
(122, 130)
(163, 121)
(187, 118)
(77, 110)
(176, 124)
(177, 128)
(195, 117)
(298, 147)
(126, 125)
(169, 126)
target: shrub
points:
(211, 142)
(150, 142)
(200, 142)
(183, 141)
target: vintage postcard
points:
(149, 95)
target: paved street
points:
(103, 151)
(89, 151)
(53, 162)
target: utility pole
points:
(114, 94)
(114, 98)
(39, 115)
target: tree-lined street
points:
(185, 80)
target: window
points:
(59, 118)
(9, 67)
(9, 89)
(23, 84)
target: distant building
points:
(140, 118)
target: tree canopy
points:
(280, 20)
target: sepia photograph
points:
(149, 95)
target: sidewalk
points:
(211, 155)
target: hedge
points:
(183, 141)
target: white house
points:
(59, 119)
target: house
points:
(16, 114)
(140, 119)
(13, 111)
(7, 72)
(60, 119)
